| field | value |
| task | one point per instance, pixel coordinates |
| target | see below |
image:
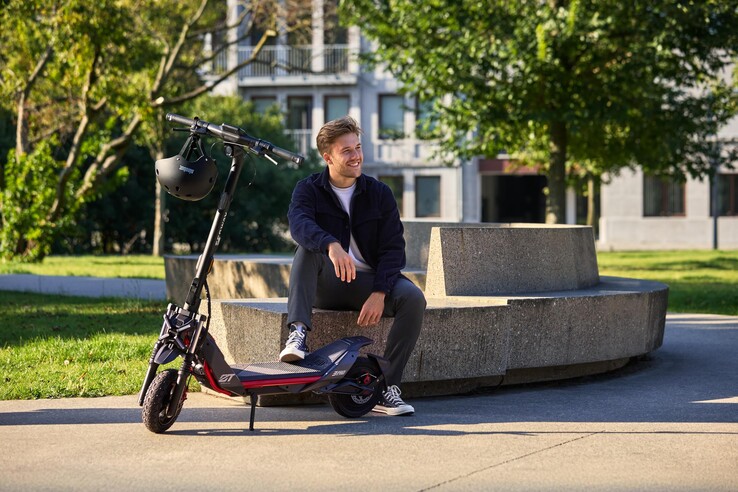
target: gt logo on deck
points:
(225, 378)
(338, 373)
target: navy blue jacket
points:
(317, 219)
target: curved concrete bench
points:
(510, 258)
(506, 304)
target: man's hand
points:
(372, 310)
(342, 262)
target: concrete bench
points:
(506, 305)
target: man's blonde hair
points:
(331, 131)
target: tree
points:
(84, 80)
(601, 84)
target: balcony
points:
(299, 62)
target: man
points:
(349, 256)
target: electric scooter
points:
(352, 382)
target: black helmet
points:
(185, 179)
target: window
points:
(425, 122)
(396, 184)
(262, 103)
(300, 113)
(727, 194)
(427, 196)
(662, 197)
(300, 121)
(391, 116)
(299, 23)
(336, 107)
(333, 31)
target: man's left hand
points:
(371, 311)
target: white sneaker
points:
(295, 348)
(392, 404)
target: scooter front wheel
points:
(365, 372)
(157, 399)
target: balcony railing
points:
(288, 60)
(303, 140)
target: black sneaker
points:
(295, 349)
(392, 404)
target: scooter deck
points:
(268, 370)
(315, 364)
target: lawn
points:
(699, 281)
(129, 266)
(53, 346)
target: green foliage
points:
(257, 220)
(90, 74)
(119, 219)
(29, 190)
(600, 85)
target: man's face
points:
(344, 160)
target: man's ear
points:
(327, 158)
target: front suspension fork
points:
(150, 372)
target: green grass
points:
(699, 281)
(54, 347)
(129, 266)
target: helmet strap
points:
(192, 145)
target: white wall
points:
(623, 226)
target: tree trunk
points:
(591, 200)
(556, 198)
(159, 211)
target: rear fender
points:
(382, 363)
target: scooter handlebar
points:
(236, 135)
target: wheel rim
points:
(365, 379)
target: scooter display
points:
(351, 381)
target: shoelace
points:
(392, 396)
(296, 337)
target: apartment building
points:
(315, 76)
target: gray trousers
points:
(313, 283)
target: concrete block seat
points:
(507, 304)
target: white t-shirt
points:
(344, 196)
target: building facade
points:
(645, 212)
(317, 76)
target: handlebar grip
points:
(287, 155)
(175, 118)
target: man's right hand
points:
(342, 262)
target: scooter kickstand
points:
(254, 399)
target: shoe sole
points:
(393, 412)
(292, 356)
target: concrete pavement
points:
(137, 288)
(669, 422)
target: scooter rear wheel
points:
(157, 399)
(364, 372)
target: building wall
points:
(623, 225)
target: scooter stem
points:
(205, 262)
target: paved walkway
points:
(666, 423)
(85, 286)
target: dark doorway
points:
(511, 198)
